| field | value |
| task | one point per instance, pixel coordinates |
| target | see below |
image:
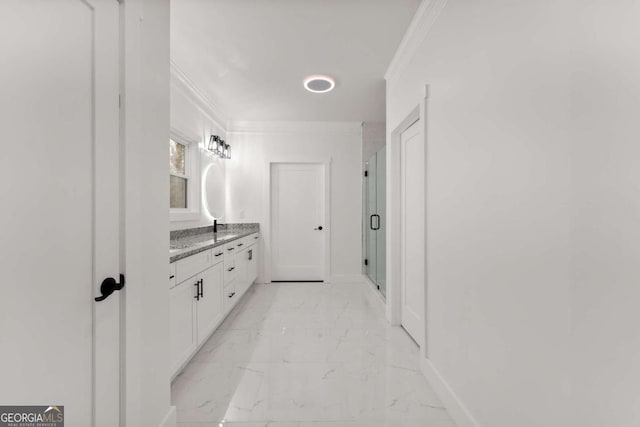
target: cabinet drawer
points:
(217, 254)
(192, 265)
(240, 244)
(230, 269)
(230, 296)
(252, 238)
(172, 275)
(230, 248)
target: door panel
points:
(413, 244)
(59, 187)
(297, 210)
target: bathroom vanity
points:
(208, 274)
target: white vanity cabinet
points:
(252, 263)
(199, 303)
(209, 311)
(182, 330)
(195, 305)
(247, 261)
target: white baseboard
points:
(456, 409)
(345, 278)
(170, 420)
(374, 288)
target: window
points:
(185, 192)
(178, 175)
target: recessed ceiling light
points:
(319, 83)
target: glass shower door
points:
(375, 220)
(371, 265)
(381, 206)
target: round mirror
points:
(214, 190)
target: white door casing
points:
(412, 212)
(60, 216)
(297, 214)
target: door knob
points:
(109, 286)
(319, 228)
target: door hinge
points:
(366, 173)
(366, 261)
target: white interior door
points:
(297, 222)
(412, 154)
(60, 211)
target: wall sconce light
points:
(218, 147)
(213, 144)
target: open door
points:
(59, 186)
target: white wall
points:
(532, 206)
(605, 332)
(374, 136)
(195, 118)
(255, 145)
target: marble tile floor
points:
(307, 355)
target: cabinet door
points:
(209, 307)
(252, 270)
(182, 316)
(242, 281)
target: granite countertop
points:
(184, 243)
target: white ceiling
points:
(250, 56)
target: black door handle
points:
(197, 285)
(109, 286)
(319, 228)
(250, 254)
(201, 288)
(377, 222)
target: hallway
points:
(302, 355)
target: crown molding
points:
(244, 127)
(418, 30)
(181, 81)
